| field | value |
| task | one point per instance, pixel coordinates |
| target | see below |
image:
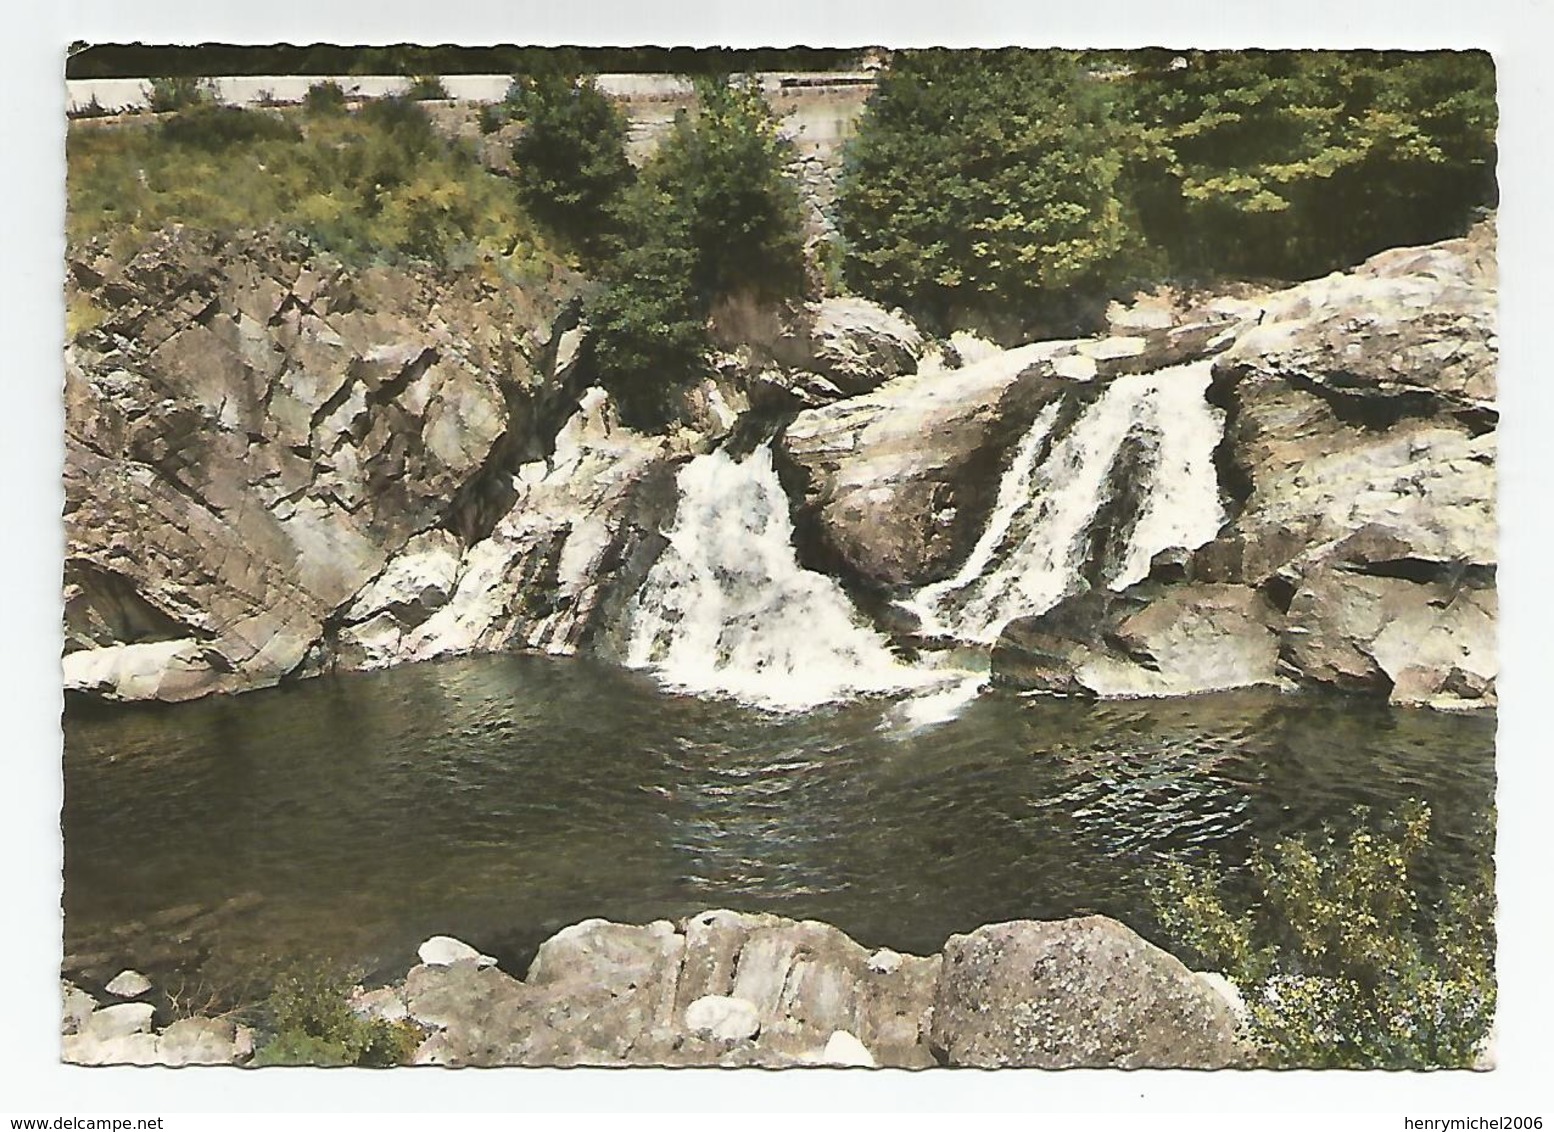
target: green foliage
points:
(179, 93)
(711, 215)
(1339, 965)
(427, 88)
(983, 181)
(324, 98)
(1012, 186)
(570, 160)
(310, 1022)
(724, 172)
(214, 127)
(1293, 163)
(374, 185)
(490, 117)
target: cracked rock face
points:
(723, 988)
(249, 440)
(731, 988)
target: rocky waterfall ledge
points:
(274, 469)
(738, 989)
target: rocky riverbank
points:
(737, 989)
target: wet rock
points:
(1419, 643)
(1153, 640)
(857, 345)
(1085, 993)
(128, 984)
(1367, 398)
(152, 670)
(893, 486)
(1358, 459)
(556, 569)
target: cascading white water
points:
(1032, 551)
(727, 608)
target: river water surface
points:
(500, 798)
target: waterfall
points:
(727, 608)
(1039, 542)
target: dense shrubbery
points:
(324, 98)
(179, 93)
(308, 1020)
(380, 183)
(570, 161)
(1015, 183)
(711, 215)
(1294, 163)
(983, 182)
(1339, 965)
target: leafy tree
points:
(1339, 965)
(713, 214)
(725, 171)
(571, 158)
(1293, 163)
(983, 182)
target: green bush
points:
(570, 161)
(179, 93)
(712, 214)
(985, 183)
(215, 127)
(427, 88)
(308, 1020)
(324, 98)
(1338, 963)
(490, 118)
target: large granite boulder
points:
(1174, 640)
(894, 485)
(1085, 993)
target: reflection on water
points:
(500, 798)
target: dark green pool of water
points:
(499, 799)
